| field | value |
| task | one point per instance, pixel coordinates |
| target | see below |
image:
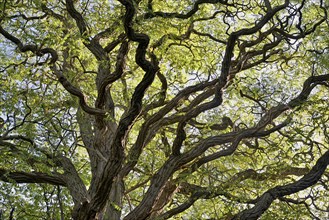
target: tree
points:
(150, 109)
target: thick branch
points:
(157, 183)
(308, 86)
(103, 185)
(140, 143)
(92, 45)
(73, 181)
(76, 92)
(173, 163)
(198, 192)
(33, 177)
(122, 53)
(264, 201)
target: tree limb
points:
(265, 200)
(33, 177)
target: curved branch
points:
(33, 177)
(29, 47)
(17, 137)
(198, 192)
(175, 161)
(66, 84)
(73, 181)
(140, 142)
(93, 45)
(272, 114)
(103, 185)
(28, 18)
(209, 36)
(77, 17)
(76, 92)
(235, 137)
(121, 57)
(183, 16)
(308, 86)
(264, 201)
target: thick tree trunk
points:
(114, 205)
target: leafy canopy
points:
(151, 109)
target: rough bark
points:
(265, 200)
(105, 139)
(33, 177)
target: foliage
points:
(151, 109)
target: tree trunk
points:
(114, 205)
